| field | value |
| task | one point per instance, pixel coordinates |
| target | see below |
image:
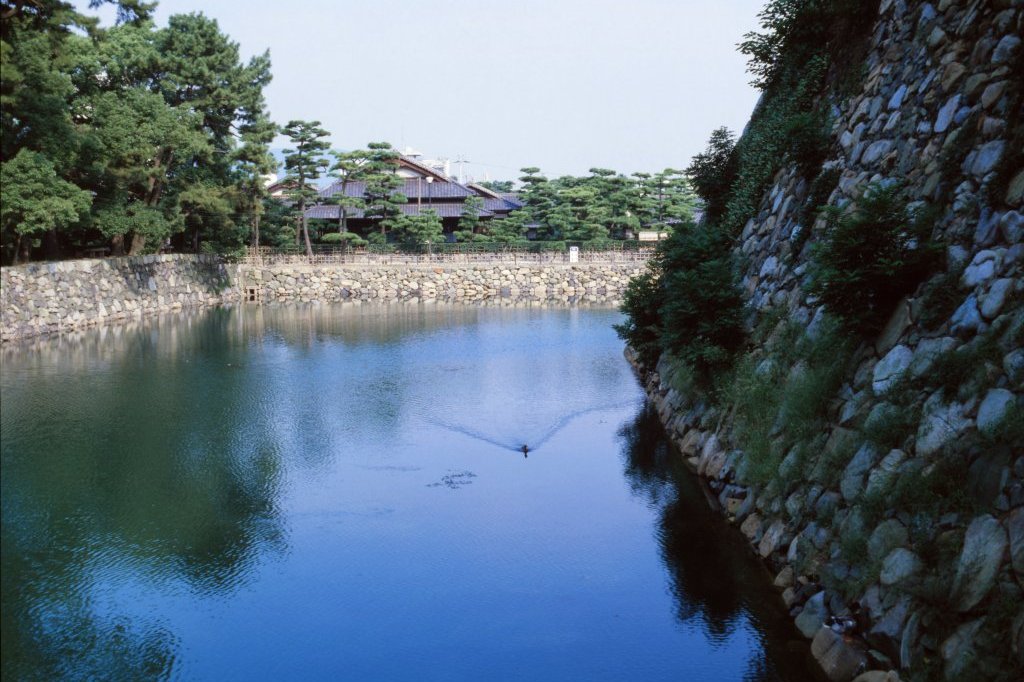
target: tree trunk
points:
(305, 235)
(16, 256)
(138, 243)
(256, 230)
(51, 246)
(117, 245)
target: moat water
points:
(338, 493)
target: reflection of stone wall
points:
(840, 523)
(48, 297)
(583, 282)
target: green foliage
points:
(165, 128)
(605, 204)
(511, 228)
(713, 172)
(821, 188)
(35, 199)
(809, 134)
(350, 239)
(880, 249)
(702, 306)
(304, 164)
(469, 221)
(501, 186)
(424, 228)
(642, 327)
(939, 299)
(382, 199)
(781, 398)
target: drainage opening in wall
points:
(253, 294)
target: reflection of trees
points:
(143, 470)
(716, 581)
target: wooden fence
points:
(535, 253)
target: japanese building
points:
(427, 189)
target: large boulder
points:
(1015, 529)
(840, 658)
(886, 537)
(899, 565)
(882, 476)
(890, 368)
(958, 650)
(813, 616)
(940, 424)
(994, 406)
(984, 547)
(852, 483)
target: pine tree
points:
(304, 164)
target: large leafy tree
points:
(304, 164)
(166, 128)
(36, 200)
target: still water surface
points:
(336, 492)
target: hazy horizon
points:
(564, 86)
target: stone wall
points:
(925, 595)
(69, 295)
(592, 282)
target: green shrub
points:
(817, 197)
(702, 306)
(939, 299)
(872, 256)
(809, 134)
(642, 327)
(350, 238)
(713, 172)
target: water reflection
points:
(227, 493)
(716, 583)
(97, 491)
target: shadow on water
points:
(717, 583)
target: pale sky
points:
(565, 85)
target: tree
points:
(35, 200)
(255, 162)
(578, 216)
(713, 172)
(538, 198)
(134, 145)
(500, 186)
(469, 221)
(349, 167)
(508, 229)
(414, 230)
(166, 128)
(304, 164)
(382, 184)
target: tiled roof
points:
(411, 187)
(448, 210)
(500, 205)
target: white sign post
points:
(574, 254)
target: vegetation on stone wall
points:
(880, 248)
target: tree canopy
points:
(164, 131)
